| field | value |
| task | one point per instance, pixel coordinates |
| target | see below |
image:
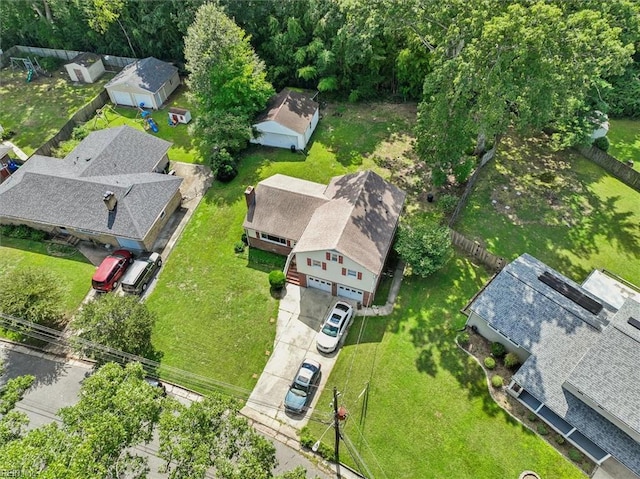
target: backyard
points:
(52, 101)
(624, 138)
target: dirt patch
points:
(480, 349)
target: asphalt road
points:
(58, 383)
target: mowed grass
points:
(418, 406)
(214, 307)
(71, 268)
(37, 110)
(562, 209)
(624, 140)
(183, 148)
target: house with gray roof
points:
(110, 190)
(580, 347)
(288, 121)
(146, 83)
(336, 237)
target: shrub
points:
(575, 455)
(23, 232)
(224, 166)
(498, 350)
(489, 362)
(560, 440)
(463, 339)
(244, 239)
(277, 279)
(497, 381)
(447, 203)
(238, 247)
(532, 416)
(601, 143)
(80, 132)
(307, 441)
(6, 134)
(50, 64)
(542, 429)
(511, 360)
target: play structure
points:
(146, 119)
(31, 66)
(178, 115)
(101, 114)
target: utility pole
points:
(336, 425)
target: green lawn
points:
(37, 110)
(624, 140)
(214, 307)
(428, 413)
(570, 214)
(72, 268)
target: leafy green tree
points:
(116, 411)
(227, 80)
(498, 64)
(424, 245)
(212, 434)
(122, 323)
(12, 422)
(33, 294)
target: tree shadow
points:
(17, 363)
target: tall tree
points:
(227, 80)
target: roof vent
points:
(110, 200)
(634, 322)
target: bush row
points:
(22, 232)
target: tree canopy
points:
(423, 244)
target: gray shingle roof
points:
(564, 345)
(149, 74)
(64, 193)
(85, 59)
(291, 109)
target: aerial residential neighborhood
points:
(320, 239)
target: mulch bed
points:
(480, 348)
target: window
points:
(352, 273)
(316, 264)
(273, 239)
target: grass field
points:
(624, 140)
(557, 206)
(427, 412)
(51, 102)
(73, 269)
(214, 306)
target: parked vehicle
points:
(303, 386)
(111, 269)
(140, 274)
(334, 327)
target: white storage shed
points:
(85, 67)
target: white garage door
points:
(122, 98)
(350, 293)
(278, 140)
(146, 99)
(319, 284)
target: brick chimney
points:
(110, 200)
(250, 196)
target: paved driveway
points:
(301, 313)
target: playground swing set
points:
(30, 65)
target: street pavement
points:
(58, 382)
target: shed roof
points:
(149, 74)
(85, 59)
(291, 109)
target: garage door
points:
(277, 140)
(122, 98)
(319, 284)
(350, 293)
(147, 100)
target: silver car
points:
(334, 327)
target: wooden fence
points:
(475, 250)
(620, 170)
(66, 55)
(82, 115)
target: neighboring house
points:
(580, 346)
(147, 83)
(110, 189)
(289, 120)
(85, 67)
(336, 236)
